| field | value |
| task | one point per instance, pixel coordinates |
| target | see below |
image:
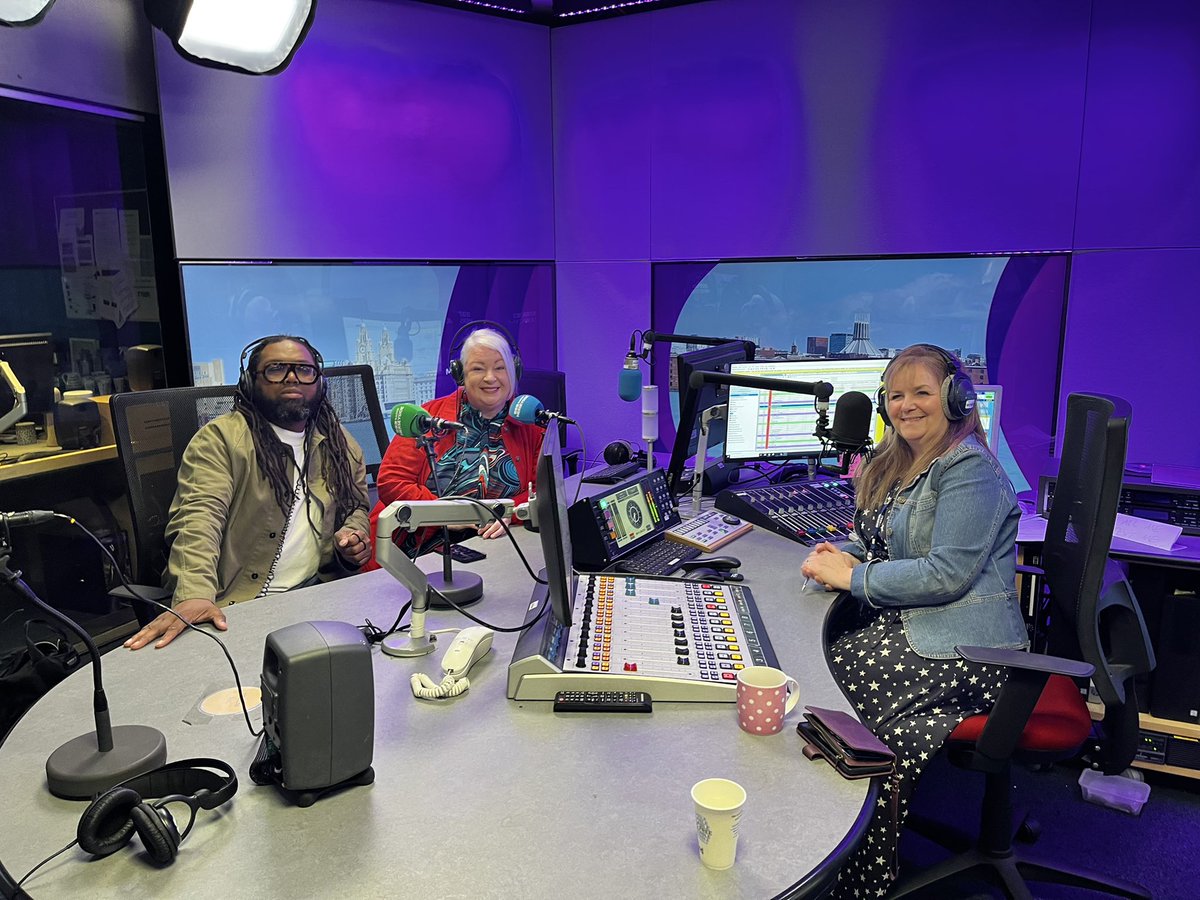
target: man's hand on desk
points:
(353, 546)
(829, 566)
(167, 626)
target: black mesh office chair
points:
(1094, 628)
(351, 390)
(152, 429)
(550, 387)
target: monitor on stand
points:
(694, 401)
(551, 503)
(771, 425)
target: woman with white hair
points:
(493, 456)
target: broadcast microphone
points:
(530, 410)
(412, 421)
(32, 517)
(630, 381)
(90, 763)
(851, 430)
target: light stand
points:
(411, 515)
(91, 763)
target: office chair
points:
(152, 429)
(1095, 628)
(352, 391)
(550, 386)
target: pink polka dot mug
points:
(765, 695)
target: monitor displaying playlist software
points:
(777, 425)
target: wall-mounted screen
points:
(1001, 314)
(398, 318)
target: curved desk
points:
(476, 796)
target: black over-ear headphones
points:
(622, 452)
(455, 367)
(246, 375)
(957, 391)
(109, 823)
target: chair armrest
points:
(1030, 662)
(144, 611)
(1026, 569)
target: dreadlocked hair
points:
(275, 458)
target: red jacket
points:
(404, 471)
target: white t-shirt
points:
(300, 555)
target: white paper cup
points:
(719, 804)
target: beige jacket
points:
(225, 527)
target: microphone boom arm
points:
(410, 515)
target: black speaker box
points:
(1176, 693)
(144, 367)
(319, 703)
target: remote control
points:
(602, 701)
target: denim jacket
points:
(951, 538)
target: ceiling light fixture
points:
(257, 37)
(23, 12)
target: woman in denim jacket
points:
(932, 565)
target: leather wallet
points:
(845, 743)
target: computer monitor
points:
(693, 402)
(552, 525)
(31, 357)
(987, 401)
(776, 425)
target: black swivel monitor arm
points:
(821, 390)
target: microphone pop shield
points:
(629, 383)
(525, 408)
(851, 421)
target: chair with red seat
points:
(1094, 628)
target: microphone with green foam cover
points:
(412, 421)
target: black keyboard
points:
(661, 557)
(612, 474)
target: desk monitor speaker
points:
(318, 694)
(144, 367)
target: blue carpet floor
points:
(1159, 849)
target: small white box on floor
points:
(1114, 791)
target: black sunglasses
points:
(277, 372)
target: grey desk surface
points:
(477, 796)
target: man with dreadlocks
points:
(271, 496)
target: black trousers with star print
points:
(912, 704)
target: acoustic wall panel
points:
(1139, 180)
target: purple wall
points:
(399, 131)
(776, 128)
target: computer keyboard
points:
(661, 557)
(612, 474)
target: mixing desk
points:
(674, 639)
(805, 511)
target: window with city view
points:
(1001, 315)
(398, 318)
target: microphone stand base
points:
(403, 645)
(78, 771)
(464, 588)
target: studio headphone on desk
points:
(112, 819)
